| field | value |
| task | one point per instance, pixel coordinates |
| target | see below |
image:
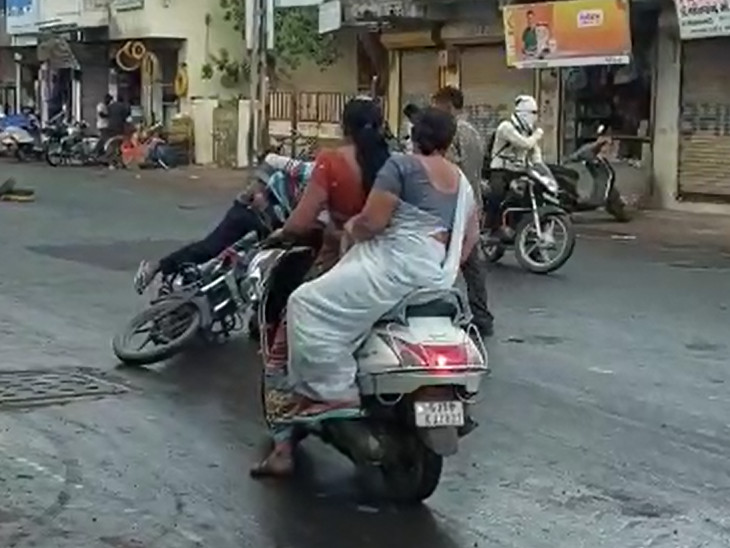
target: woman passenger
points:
(341, 180)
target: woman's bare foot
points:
(279, 463)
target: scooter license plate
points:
(432, 414)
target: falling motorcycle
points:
(206, 301)
(588, 162)
(418, 369)
(533, 223)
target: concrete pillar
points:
(394, 87)
(667, 100)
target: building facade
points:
(668, 108)
(150, 52)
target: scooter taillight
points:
(435, 356)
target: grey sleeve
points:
(390, 177)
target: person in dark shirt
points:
(118, 113)
(529, 36)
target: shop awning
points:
(56, 51)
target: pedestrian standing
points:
(467, 151)
(102, 122)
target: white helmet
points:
(526, 112)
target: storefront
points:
(704, 132)
(490, 86)
(617, 97)
(419, 76)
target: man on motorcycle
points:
(515, 143)
(261, 209)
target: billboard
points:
(568, 33)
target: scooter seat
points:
(564, 172)
(429, 303)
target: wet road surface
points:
(605, 423)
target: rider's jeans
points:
(240, 219)
(499, 180)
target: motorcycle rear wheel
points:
(168, 338)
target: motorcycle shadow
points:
(308, 511)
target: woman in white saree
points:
(418, 223)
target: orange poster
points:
(568, 33)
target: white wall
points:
(183, 19)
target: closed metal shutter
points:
(419, 77)
(704, 146)
(490, 86)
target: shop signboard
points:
(703, 18)
(21, 16)
(567, 34)
(59, 13)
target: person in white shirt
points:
(410, 112)
(102, 121)
(515, 144)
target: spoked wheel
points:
(545, 254)
(54, 156)
(158, 332)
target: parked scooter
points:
(417, 370)
(590, 160)
(21, 136)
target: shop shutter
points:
(419, 77)
(704, 147)
(490, 86)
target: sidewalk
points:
(666, 228)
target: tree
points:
(296, 37)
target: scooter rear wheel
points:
(616, 206)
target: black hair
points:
(362, 123)
(410, 110)
(450, 95)
(433, 131)
(530, 12)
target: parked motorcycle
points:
(589, 158)
(78, 147)
(533, 222)
(417, 370)
(207, 301)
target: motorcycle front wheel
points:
(549, 253)
(165, 328)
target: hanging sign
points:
(567, 33)
(703, 18)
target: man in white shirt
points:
(102, 122)
(516, 143)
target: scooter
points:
(418, 369)
(589, 158)
(21, 136)
(78, 147)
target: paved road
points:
(604, 424)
